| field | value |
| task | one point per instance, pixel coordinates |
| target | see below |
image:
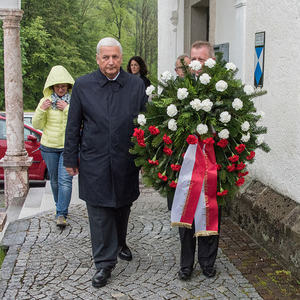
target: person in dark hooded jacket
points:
(102, 108)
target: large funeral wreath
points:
(214, 107)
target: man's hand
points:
(72, 171)
(46, 104)
(60, 104)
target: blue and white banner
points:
(259, 59)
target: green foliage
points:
(153, 156)
(2, 255)
(66, 32)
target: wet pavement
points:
(44, 262)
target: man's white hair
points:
(108, 42)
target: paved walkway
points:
(44, 262)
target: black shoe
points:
(125, 253)
(209, 272)
(185, 273)
(100, 278)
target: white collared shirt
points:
(113, 78)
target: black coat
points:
(100, 124)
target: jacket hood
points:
(57, 75)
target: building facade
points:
(237, 27)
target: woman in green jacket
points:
(51, 116)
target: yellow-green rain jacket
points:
(53, 121)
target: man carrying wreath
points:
(207, 245)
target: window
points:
(2, 129)
(30, 132)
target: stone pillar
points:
(16, 160)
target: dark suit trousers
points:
(108, 227)
(207, 247)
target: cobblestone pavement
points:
(45, 263)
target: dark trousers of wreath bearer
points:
(108, 227)
(207, 247)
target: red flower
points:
(173, 184)
(142, 143)
(154, 130)
(209, 140)
(183, 154)
(234, 158)
(240, 166)
(224, 193)
(251, 155)
(219, 167)
(167, 140)
(222, 143)
(191, 139)
(168, 151)
(162, 177)
(153, 162)
(240, 181)
(231, 168)
(242, 174)
(240, 148)
(138, 133)
(175, 167)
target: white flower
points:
(230, 66)
(196, 104)
(245, 126)
(248, 89)
(166, 76)
(259, 140)
(245, 138)
(237, 104)
(141, 119)
(221, 86)
(195, 65)
(210, 63)
(172, 110)
(182, 93)
(172, 125)
(225, 117)
(202, 129)
(223, 134)
(206, 105)
(205, 79)
(261, 114)
(159, 90)
(149, 90)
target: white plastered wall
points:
(170, 33)
(279, 169)
(236, 23)
(230, 28)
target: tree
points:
(66, 32)
(146, 32)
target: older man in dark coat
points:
(100, 124)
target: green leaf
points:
(132, 151)
(223, 175)
(157, 140)
(140, 161)
(148, 181)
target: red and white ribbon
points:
(195, 197)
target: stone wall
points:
(272, 220)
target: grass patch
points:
(2, 255)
